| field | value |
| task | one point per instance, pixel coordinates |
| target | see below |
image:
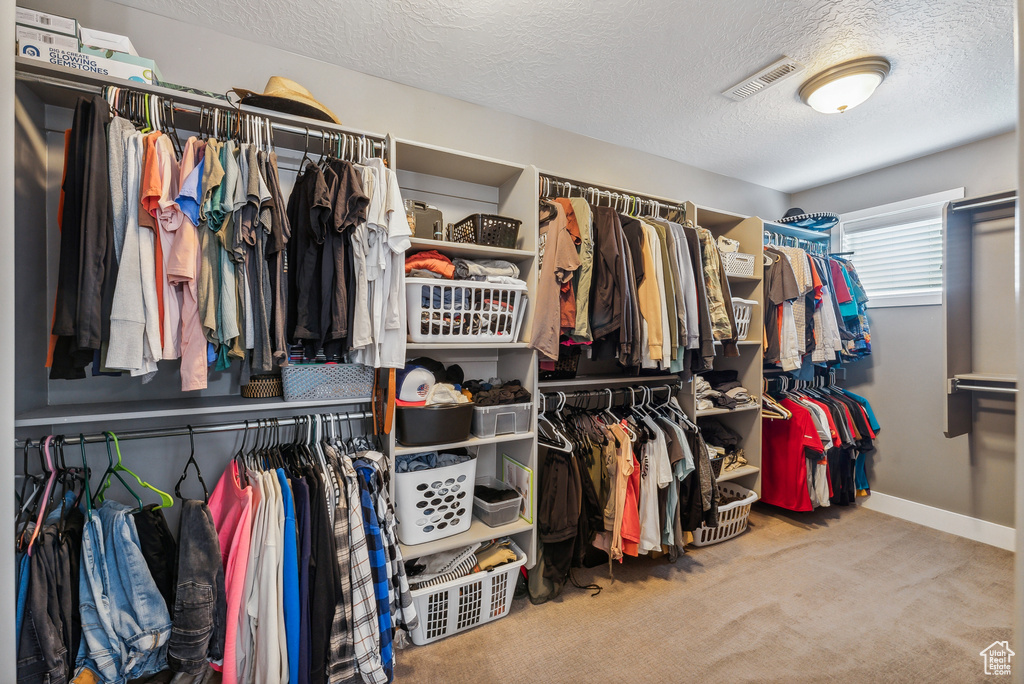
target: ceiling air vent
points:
(764, 79)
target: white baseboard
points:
(939, 519)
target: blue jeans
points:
(125, 623)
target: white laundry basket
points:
(732, 517)
(466, 602)
(742, 309)
(464, 311)
(435, 503)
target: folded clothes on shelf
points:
(495, 393)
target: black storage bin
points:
(428, 425)
(487, 229)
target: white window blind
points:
(897, 250)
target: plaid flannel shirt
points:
(341, 665)
(378, 565)
(365, 627)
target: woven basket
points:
(263, 387)
(313, 381)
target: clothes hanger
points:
(165, 499)
(46, 492)
(191, 462)
(563, 444)
(118, 468)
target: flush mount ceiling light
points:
(844, 86)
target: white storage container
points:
(739, 264)
(436, 503)
(464, 311)
(460, 604)
(742, 309)
(732, 518)
(503, 419)
(498, 513)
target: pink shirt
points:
(232, 508)
(183, 265)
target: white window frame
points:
(937, 199)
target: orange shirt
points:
(149, 199)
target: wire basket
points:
(464, 311)
(487, 229)
(732, 517)
(742, 309)
(739, 264)
(466, 602)
(312, 381)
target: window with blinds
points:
(897, 250)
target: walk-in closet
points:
(502, 343)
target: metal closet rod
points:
(180, 431)
(587, 394)
(966, 205)
(321, 133)
(556, 184)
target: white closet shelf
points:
(477, 532)
(723, 411)
(743, 343)
(606, 380)
(472, 251)
(471, 442)
(742, 471)
(108, 412)
(426, 346)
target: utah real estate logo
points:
(997, 658)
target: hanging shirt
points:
(231, 507)
(784, 458)
(559, 261)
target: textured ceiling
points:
(647, 74)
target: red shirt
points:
(784, 459)
(631, 514)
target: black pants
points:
(200, 605)
(160, 551)
(43, 654)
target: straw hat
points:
(285, 95)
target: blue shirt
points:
(290, 575)
(867, 409)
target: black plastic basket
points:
(566, 366)
(487, 229)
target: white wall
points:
(904, 376)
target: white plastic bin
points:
(436, 503)
(739, 264)
(742, 309)
(463, 603)
(464, 311)
(732, 518)
(499, 513)
(503, 419)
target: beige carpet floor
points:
(839, 595)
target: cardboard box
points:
(103, 41)
(123, 57)
(35, 40)
(48, 22)
(96, 65)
